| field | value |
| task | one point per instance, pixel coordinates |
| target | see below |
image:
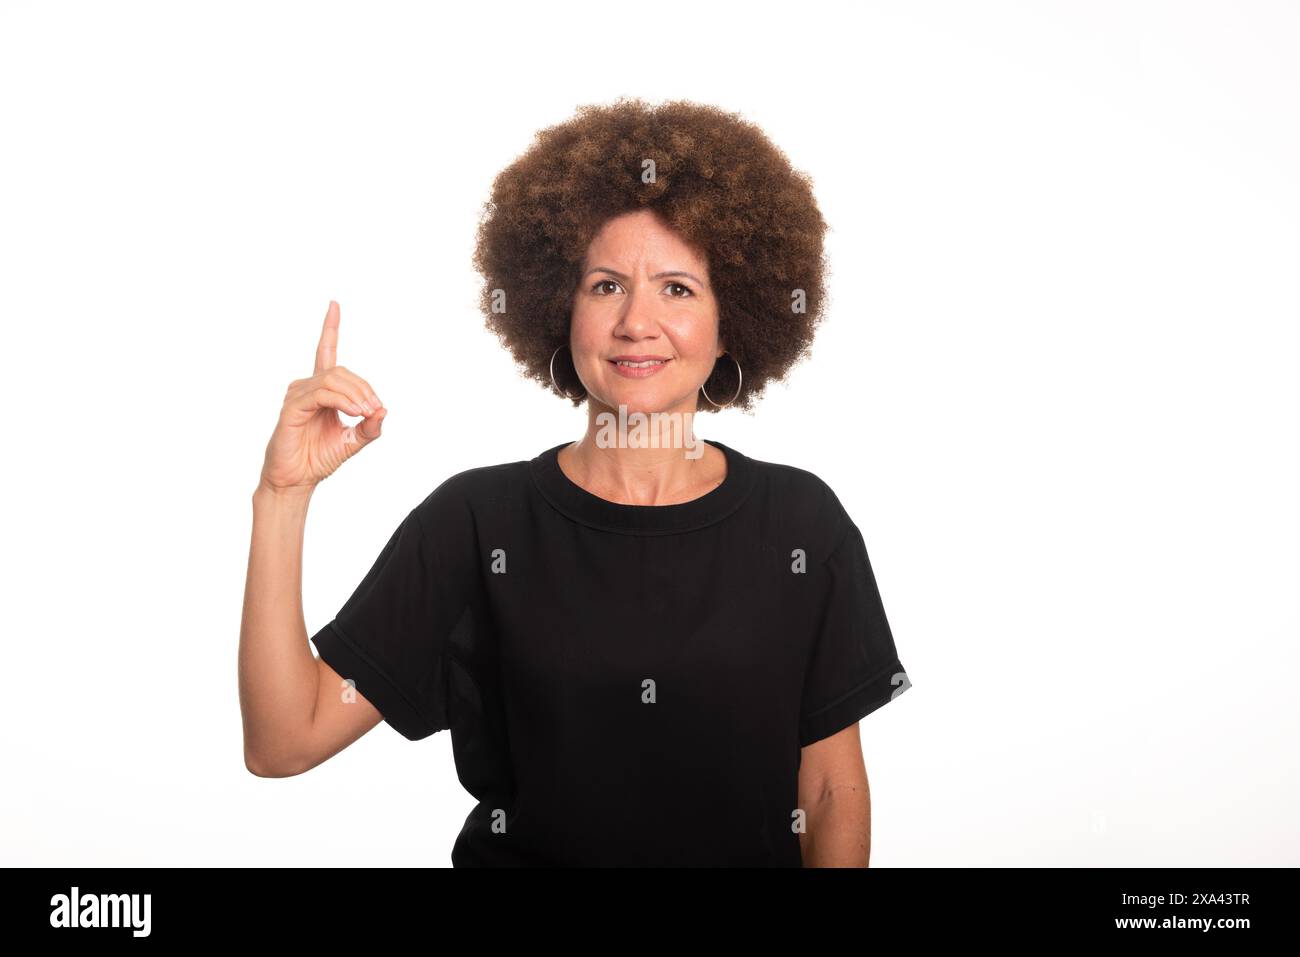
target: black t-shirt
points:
(624, 684)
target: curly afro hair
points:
(716, 179)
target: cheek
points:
(584, 339)
(586, 351)
(698, 345)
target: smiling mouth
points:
(639, 367)
(642, 364)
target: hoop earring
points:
(740, 382)
(556, 384)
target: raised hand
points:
(310, 441)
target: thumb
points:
(365, 431)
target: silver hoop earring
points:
(556, 384)
(740, 379)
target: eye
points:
(680, 286)
(601, 282)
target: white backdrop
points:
(1062, 334)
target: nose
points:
(640, 318)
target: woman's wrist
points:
(275, 496)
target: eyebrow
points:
(659, 275)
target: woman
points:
(646, 652)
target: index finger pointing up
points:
(328, 347)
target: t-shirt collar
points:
(582, 506)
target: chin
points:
(645, 405)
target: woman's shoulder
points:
(795, 482)
(803, 500)
(481, 486)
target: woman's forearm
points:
(277, 671)
(839, 828)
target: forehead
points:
(642, 234)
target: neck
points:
(642, 459)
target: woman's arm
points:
(834, 795)
(277, 673)
(294, 712)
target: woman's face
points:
(644, 294)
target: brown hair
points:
(718, 181)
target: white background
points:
(1055, 388)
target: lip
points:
(642, 373)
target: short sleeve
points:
(391, 637)
(854, 667)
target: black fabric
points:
(623, 684)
